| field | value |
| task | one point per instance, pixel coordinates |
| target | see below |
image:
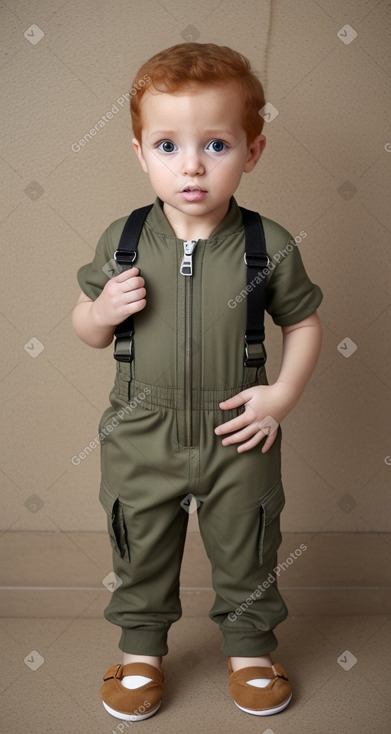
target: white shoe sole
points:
(266, 712)
(131, 717)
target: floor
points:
(55, 644)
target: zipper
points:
(187, 259)
(186, 269)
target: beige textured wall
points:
(325, 171)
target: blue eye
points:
(217, 146)
(167, 146)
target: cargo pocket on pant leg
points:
(115, 521)
(269, 538)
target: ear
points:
(139, 153)
(255, 151)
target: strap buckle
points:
(123, 347)
(125, 257)
(256, 260)
(254, 352)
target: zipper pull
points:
(187, 260)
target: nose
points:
(192, 164)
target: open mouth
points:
(194, 193)
(192, 188)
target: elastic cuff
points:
(247, 643)
(144, 640)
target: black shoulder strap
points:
(125, 256)
(256, 260)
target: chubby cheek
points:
(161, 175)
(229, 177)
(158, 169)
(231, 167)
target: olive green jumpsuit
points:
(158, 444)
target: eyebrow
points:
(207, 133)
(162, 133)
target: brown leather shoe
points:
(132, 704)
(261, 701)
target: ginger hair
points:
(185, 64)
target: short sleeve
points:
(290, 294)
(93, 277)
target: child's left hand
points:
(265, 407)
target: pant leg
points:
(239, 521)
(147, 555)
(144, 476)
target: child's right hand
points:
(122, 296)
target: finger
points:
(268, 425)
(269, 442)
(131, 273)
(240, 436)
(132, 284)
(137, 306)
(135, 295)
(252, 443)
(233, 425)
(235, 402)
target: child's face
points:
(194, 149)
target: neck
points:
(190, 227)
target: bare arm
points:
(87, 328)
(300, 352)
(301, 349)
(94, 321)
